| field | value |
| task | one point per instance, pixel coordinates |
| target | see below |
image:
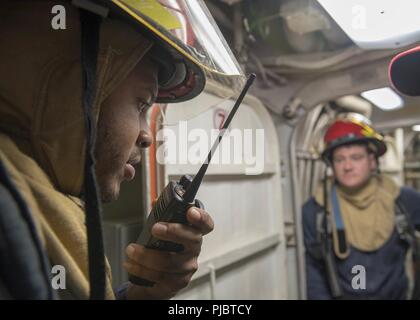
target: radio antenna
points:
(191, 192)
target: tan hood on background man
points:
(368, 213)
(41, 118)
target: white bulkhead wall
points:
(245, 256)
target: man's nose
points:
(348, 165)
(144, 140)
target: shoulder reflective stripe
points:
(341, 247)
(336, 208)
(319, 226)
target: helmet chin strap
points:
(90, 28)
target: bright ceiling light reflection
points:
(416, 128)
(384, 98)
(377, 24)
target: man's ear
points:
(373, 165)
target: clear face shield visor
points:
(187, 30)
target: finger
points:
(188, 236)
(200, 219)
(143, 272)
(161, 261)
(171, 281)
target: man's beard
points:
(108, 166)
(107, 193)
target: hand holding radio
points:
(170, 271)
(170, 212)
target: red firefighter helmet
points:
(352, 129)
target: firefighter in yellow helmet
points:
(75, 96)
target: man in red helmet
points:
(359, 225)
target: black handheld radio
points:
(177, 197)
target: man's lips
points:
(129, 170)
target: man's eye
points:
(357, 157)
(142, 106)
